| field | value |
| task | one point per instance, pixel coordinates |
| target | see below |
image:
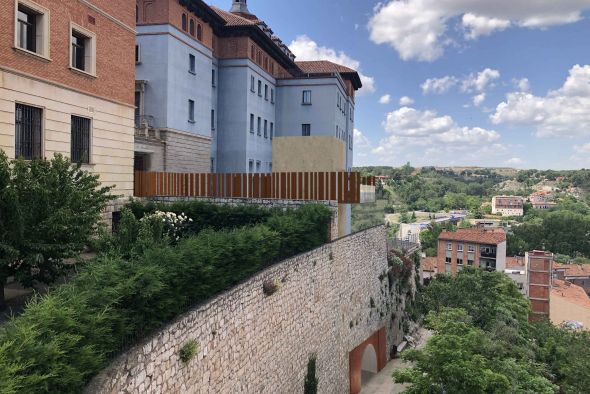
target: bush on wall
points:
(63, 339)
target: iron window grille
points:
(80, 144)
(28, 124)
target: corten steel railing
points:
(343, 187)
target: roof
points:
(475, 235)
(515, 263)
(429, 264)
(572, 270)
(571, 292)
(235, 19)
(327, 67)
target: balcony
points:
(341, 187)
(487, 252)
(144, 127)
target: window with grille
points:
(306, 130)
(80, 144)
(28, 124)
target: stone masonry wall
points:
(329, 301)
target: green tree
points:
(49, 210)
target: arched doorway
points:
(368, 364)
(367, 359)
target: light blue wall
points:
(236, 145)
(323, 114)
(165, 67)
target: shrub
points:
(311, 381)
(188, 351)
(49, 210)
(270, 287)
(62, 340)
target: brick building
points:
(508, 205)
(66, 84)
(216, 89)
(478, 246)
(539, 267)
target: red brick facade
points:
(115, 43)
(540, 265)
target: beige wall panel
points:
(314, 153)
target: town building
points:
(544, 206)
(66, 84)
(539, 271)
(578, 274)
(428, 269)
(477, 246)
(217, 91)
(516, 269)
(507, 206)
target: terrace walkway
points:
(382, 382)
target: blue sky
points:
(502, 83)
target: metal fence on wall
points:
(343, 187)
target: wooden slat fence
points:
(344, 187)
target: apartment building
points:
(66, 84)
(508, 206)
(477, 246)
(216, 89)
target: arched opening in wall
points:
(368, 365)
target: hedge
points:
(63, 339)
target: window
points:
(212, 165)
(470, 248)
(252, 123)
(82, 50)
(272, 130)
(32, 28)
(213, 78)
(306, 130)
(212, 119)
(350, 142)
(449, 246)
(259, 131)
(265, 128)
(306, 97)
(260, 88)
(184, 22)
(191, 64)
(257, 166)
(469, 262)
(28, 124)
(272, 95)
(80, 140)
(266, 92)
(192, 27)
(459, 247)
(252, 82)
(199, 32)
(191, 111)
(448, 260)
(253, 52)
(137, 54)
(250, 165)
(459, 260)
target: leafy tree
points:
(429, 237)
(49, 210)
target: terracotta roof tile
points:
(571, 292)
(515, 262)
(429, 264)
(475, 235)
(574, 269)
(323, 67)
(233, 19)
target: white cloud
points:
(522, 84)
(480, 81)
(480, 98)
(438, 85)
(476, 25)
(583, 148)
(474, 82)
(416, 29)
(386, 99)
(564, 112)
(405, 100)
(305, 48)
(514, 161)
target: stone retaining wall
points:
(329, 301)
